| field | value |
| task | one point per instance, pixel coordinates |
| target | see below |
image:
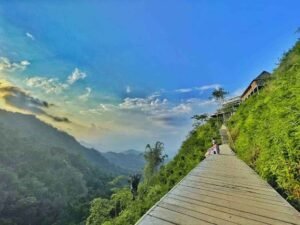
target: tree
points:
(134, 183)
(100, 211)
(219, 94)
(154, 158)
(199, 119)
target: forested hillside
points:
(266, 129)
(47, 177)
(121, 209)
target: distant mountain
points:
(46, 176)
(132, 152)
(131, 159)
(28, 127)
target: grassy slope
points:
(266, 129)
(124, 211)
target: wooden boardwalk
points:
(222, 189)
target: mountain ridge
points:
(47, 177)
(28, 125)
(130, 159)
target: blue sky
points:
(128, 73)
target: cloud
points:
(184, 90)
(207, 87)
(200, 102)
(201, 88)
(158, 110)
(181, 108)
(169, 120)
(155, 106)
(99, 110)
(7, 65)
(151, 108)
(86, 95)
(173, 115)
(75, 76)
(49, 85)
(143, 104)
(17, 98)
(29, 35)
(54, 85)
(104, 107)
(128, 89)
(155, 95)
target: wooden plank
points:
(177, 217)
(222, 190)
(235, 192)
(197, 214)
(150, 220)
(281, 216)
(229, 211)
(232, 187)
(231, 196)
(211, 211)
(234, 202)
(232, 184)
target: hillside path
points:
(222, 189)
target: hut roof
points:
(264, 75)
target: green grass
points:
(124, 211)
(266, 129)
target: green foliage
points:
(100, 210)
(41, 182)
(125, 211)
(199, 119)
(219, 94)
(154, 158)
(266, 129)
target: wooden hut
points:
(255, 85)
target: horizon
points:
(120, 75)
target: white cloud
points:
(104, 107)
(201, 88)
(200, 102)
(128, 89)
(29, 35)
(54, 85)
(86, 95)
(75, 76)
(154, 95)
(99, 110)
(207, 87)
(7, 65)
(143, 104)
(160, 111)
(158, 106)
(184, 90)
(49, 85)
(171, 116)
(25, 63)
(181, 108)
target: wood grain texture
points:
(222, 189)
